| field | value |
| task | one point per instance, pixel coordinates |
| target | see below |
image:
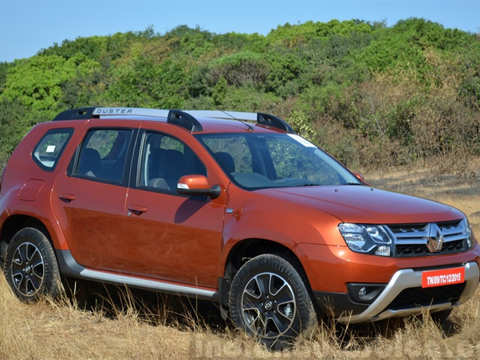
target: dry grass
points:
(461, 191)
(115, 328)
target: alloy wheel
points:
(27, 269)
(268, 305)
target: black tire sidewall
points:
(304, 315)
(51, 285)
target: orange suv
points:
(228, 206)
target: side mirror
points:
(360, 177)
(197, 185)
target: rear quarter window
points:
(49, 149)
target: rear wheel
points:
(269, 300)
(31, 267)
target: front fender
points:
(288, 228)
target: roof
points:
(192, 120)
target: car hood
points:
(364, 204)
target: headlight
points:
(367, 239)
(467, 231)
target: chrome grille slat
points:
(411, 239)
(451, 232)
(411, 242)
(408, 230)
(453, 238)
(410, 236)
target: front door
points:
(173, 237)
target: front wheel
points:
(31, 267)
(269, 300)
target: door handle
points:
(137, 210)
(67, 197)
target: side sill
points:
(70, 268)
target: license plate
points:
(443, 277)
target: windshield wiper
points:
(352, 183)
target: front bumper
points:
(382, 307)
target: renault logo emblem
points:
(434, 238)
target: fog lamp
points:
(364, 293)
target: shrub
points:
(302, 125)
(240, 69)
(370, 94)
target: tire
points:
(31, 267)
(275, 315)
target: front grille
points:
(415, 297)
(411, 240)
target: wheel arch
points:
(15, 223)
(246, 249)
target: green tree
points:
(219, 91)
(37, 82)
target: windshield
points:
(259, 160)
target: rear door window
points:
(103, 155)
(48, 151)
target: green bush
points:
(370, 94)
(244, 68)
(300, 122)
(249, 99)
(37, 82)
(143, 82)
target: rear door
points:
(172, 236)
(90, 196)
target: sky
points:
(27, 26)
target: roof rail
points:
(273, 121)
(259, 118)
(184, 119)
(120, 111)
(76, 114)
